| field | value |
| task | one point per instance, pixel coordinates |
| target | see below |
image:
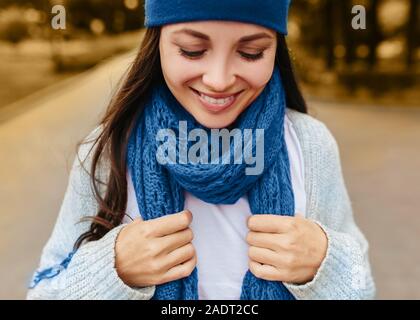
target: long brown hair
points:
(120, 117)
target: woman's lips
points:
(215, 107)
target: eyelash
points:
(196, 54)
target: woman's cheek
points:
(256, 73)
(182, 71)
(256, 79)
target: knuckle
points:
(146, 229)
(193, 262)
(151, 249)
(254, 270)
(250, 222)
(154, 267)
(289, 242)
(185, 272)
(163, 279)
(190, 234)
(190, 250)
(249, 237)
(290, 260)
(251, 252)
(191, 268)
(251, 266)
(185, 218)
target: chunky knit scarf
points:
(160, 188)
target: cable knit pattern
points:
(344, 274)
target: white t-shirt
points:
(220, 230)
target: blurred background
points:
(363, 84)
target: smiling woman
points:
(209, 65)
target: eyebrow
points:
(205, 37)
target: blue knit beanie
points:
(268, 13)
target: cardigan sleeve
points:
(345, 272)
(88, 272)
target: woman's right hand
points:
(155, 251)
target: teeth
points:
(216, 101)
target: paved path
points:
(380, 149)
(37, 149)
(380, 152)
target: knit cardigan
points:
(345, 272)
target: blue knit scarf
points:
(160, 188)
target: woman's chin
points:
(214, 122)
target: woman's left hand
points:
(283, 248)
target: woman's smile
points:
(216, 103)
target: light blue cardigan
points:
(345, 272)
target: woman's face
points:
(220, 59)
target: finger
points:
(171, 223)
(180, 271)
(178, 256)
(266, 272)
(279, 242)
(264, 256)
(271, 241)
(270, 223)
(176, 240)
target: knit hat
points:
(268, 13)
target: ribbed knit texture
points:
(345, 272)
(160, 188)
(268, 13)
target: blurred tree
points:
(334, 38)
(117, 15)
(347, 30)
(23, 3)
(374, 31)
(329, 35)
(412, 32)
(13, 27)
(312, 30)
(372, 58)
(14, 31)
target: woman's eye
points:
(252, 57)
(191, 54)
(197, 54)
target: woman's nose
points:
(219, 77)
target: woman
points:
(168, 223)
